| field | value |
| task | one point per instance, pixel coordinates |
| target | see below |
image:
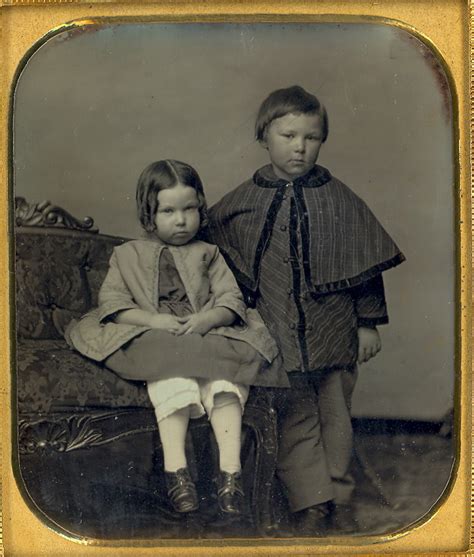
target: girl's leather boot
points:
(181, 491)
(230, 494)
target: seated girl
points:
(171, 314)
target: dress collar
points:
(266, 178)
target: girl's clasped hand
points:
(197, 323)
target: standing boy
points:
(309, 254)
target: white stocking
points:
(226, 421)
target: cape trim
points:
(265, 177)
(359, 279)
(250, 287)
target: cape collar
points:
(266, 178)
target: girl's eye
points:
(191, 208)
(167, 211)
(288, 135)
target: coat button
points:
(289, 291)
(285, 260)
(292, 326)
(283, 227)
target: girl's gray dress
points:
(157, 354)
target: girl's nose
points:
(180, 218)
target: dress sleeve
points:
(369, 302)
(114, 295)
(224, 287)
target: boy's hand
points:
(197, 323)
(165, 321)
(369, 344)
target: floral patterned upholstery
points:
(58, 274)
(54, 378)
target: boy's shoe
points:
(313, 521)
(181, 491)
(230, 494)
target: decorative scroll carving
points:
(48, 215)
(61, 435)
(44, 437)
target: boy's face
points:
(293, 143)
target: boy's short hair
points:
(161, 175)
(291, 100)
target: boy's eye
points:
(289, 135)
(167, 211)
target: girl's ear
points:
(150, 227)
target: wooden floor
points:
(406, 473)
(401, 471)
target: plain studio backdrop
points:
(95, 106)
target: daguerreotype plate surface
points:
(95, 92)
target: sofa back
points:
(58, 273)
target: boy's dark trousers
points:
(315, 438)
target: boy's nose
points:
(299, 145)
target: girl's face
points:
(177, 219)
(293, 142)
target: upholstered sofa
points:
(88, 454)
